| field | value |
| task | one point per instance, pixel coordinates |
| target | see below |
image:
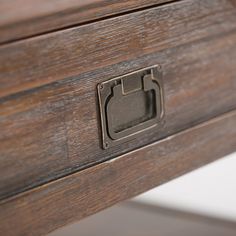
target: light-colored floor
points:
(210, 190)
(146, 220)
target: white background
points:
(210, 190)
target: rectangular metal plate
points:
(130, 104)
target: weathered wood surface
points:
(54, 130)
(56, 56)
(49, 117)
(46, 208)
(24, 18)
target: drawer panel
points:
(54, 129)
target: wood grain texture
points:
(56, 56)
(44, 209)
(54, 130)
(141, 219)
(24, 18)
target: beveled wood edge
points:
(20, 22)
(48, 207)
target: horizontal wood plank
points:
(76, 196)
(54, 130)
(24, 18)
(56, 56)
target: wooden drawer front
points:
(49, 112)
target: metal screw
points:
(106, 145)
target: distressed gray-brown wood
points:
(51, 131)
(24, 18)
(56, 56)
(46, 208)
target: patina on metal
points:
(130, 104)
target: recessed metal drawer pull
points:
(130, 104)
